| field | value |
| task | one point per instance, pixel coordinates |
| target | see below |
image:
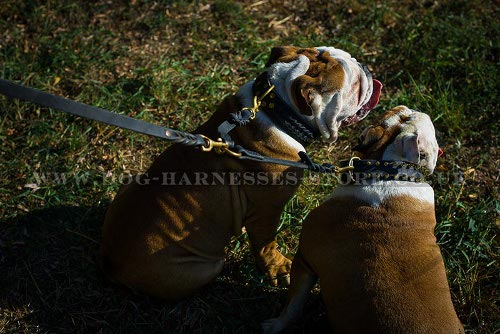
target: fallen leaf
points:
(22, 208)
(33, 186)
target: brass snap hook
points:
(257, 102)
(209, 144)
(348, 168)
(219, 146)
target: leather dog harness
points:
(221, 145)
(283, 116)
(292, 122)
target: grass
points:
(172, 62)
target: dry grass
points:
(170, 63)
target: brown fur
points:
(325, 74)
(286, 54)
(376, 136)
(381, 270)
(167, 241)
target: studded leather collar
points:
(285, 117)
(365, 170)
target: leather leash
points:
(220, 146)
(44, 99)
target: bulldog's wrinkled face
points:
(326, 84)
(401, 134)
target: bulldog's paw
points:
(271, 326)
(278, 270)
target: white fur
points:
(379, 191)
(418, 127)
(336, 53)
(337, 107)
(246, 95)
(282, 75)
(329, 110)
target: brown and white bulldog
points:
(372, 243)
(165, 234)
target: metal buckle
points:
(348, 168)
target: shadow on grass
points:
(50, 282)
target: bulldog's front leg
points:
(302, 281)
(275, 265)
(262, 235)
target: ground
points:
(171, 63)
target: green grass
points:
(171, 63)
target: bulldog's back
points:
(379, 266)
(372, 243)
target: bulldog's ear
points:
(303, 94)
(409, 148)
(286, 54)
(370, 136)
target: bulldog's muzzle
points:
(376, 88)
